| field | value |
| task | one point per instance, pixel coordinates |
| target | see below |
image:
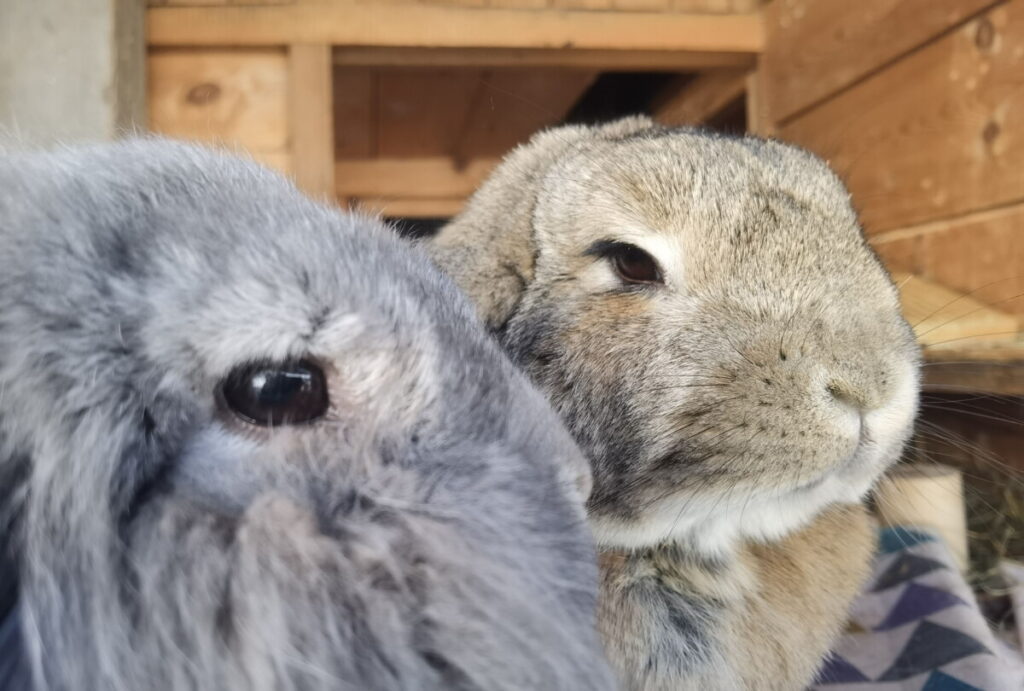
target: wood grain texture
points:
(355, 99)
(980, 435)
(311, 121)
(937, 134)
(511, 105)
(422, 112)
(716, 6)
(992, 370)
(385, 24)
(410, 208)
(609, 59)
(693, 102)
(817, 47)
(187, 3)
(410, 178)
(758, 120)
(236, 98)
(945, 318)
(694, 6)
(981, 254)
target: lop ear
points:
(489, 249)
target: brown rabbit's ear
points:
(489, 249)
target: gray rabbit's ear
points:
(489, 248)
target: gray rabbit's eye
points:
(270, 394)
(631, 264)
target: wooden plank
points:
(310, 110)
(410, 208)
(817, 47)
(982, 436)
(410, 177)
(381, 24)
(280, 161)
(695, 101)
(602, 60)
(758, 120)
(187, 3)
(642, 5)
(519, 4)
(992, 369)
(421, 112)
(939, 133)
(511, 105)
(694, 6)
(583, 4)
(220, 96)
(716, 6)
(981, 254)
(354, 112)
(945, 318)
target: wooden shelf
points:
(425, 26)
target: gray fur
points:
(427, 533)
(750, 399)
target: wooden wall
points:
(919, 105)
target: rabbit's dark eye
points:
(271, 394)
(632, 264)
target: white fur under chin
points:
(713, 525)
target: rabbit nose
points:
(844, 395)
(849, 403)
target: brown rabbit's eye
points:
(632, 264)
(271, 394)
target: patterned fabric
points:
(917, 627)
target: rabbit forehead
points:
(717, 213)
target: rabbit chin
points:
(714, 524)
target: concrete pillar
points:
(71, 70)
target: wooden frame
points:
(428, 26)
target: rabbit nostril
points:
(842, 394)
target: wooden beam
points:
(695, 101)
(409, 208)
(600, 60)
(431, 26)
(758, 120)
(310, 118)
(410, 177)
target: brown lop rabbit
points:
(706, 316)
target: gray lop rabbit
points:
(706, 316)
(249, 442)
